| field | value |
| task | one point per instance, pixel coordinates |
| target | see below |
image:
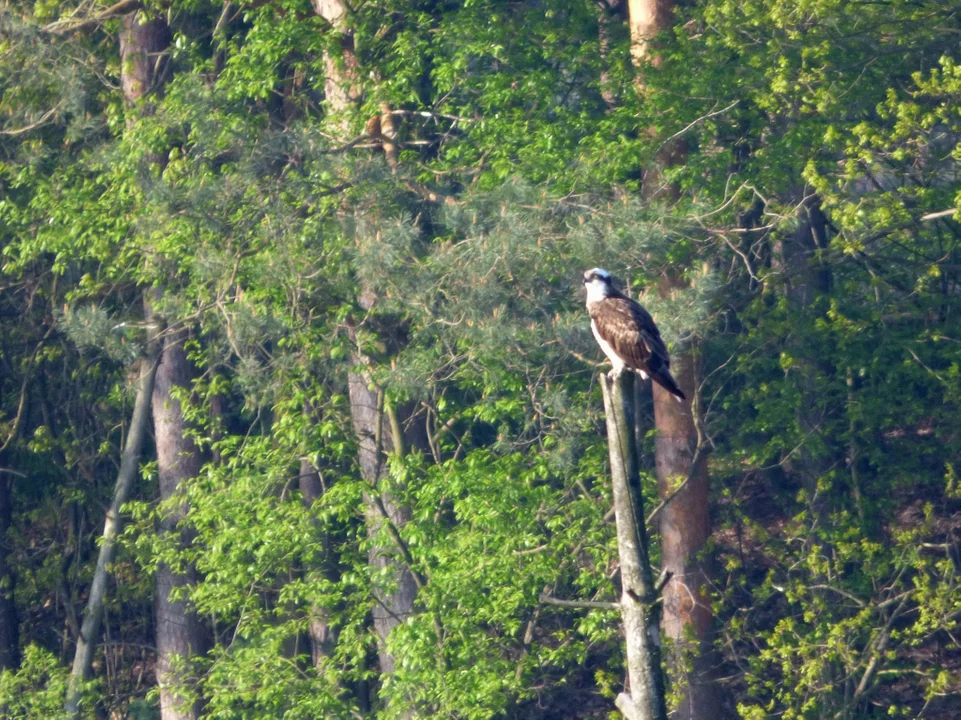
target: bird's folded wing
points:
(623, 328)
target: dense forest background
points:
(299, 411)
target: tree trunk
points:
(341, 84)
(143, 44)
(685, 527)
(638, 595)
(9, 623)
(804, 282)
(375, 442)
(179, 634)
(142, 48)
(647, 18)
(321, 634)
(685, 524)
(129, 465)
(394, 605)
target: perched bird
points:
(626, 332)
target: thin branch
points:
(700, 119)
(33, 126)
(879, 648)
(582, 604)
(698, 454)
(662, 580)
(844, 593)
(62, 27)
(938, 215)
(21, 414)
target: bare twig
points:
(582, 604)
(698, 454)
(700, 119)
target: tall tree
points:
(395, 588)
(685, 522)
(144, 41)
(179, 632)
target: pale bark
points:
(375, 441)
(647, 18)
(638, 596)
(129, 465)
(179, 633)
(341, 82)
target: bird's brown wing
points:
(630, 330)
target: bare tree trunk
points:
(129, 464)
(342, 83)
(685, 525)
(143, 44)
(638, 601)
(179, 633)
(647, 18)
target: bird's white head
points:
(599, 284)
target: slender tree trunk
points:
(638, 595)
(9, 623)
(179, 633)
(320, 631)
(129, 465)
(805, 280)
(610, 12)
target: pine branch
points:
(62, 27)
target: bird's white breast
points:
(608, 350)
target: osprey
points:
(626, 332)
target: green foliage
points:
(808, 256)
(38, 687)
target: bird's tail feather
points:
(666, 381)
